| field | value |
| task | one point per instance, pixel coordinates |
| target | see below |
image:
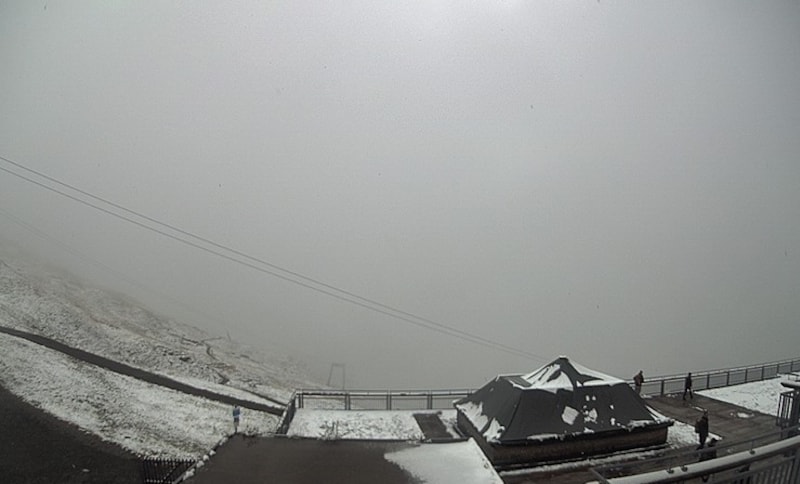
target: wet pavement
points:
(246, 460)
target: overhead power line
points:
(228, 253)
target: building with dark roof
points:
(560, 411)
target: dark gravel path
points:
(248, 460)
(141, 374)
(36, 447)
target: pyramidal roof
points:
(563, 373)
(559, 399)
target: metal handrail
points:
(787, 447)
(703, 380)
(689, 456)
(736, 368)
(347, 397)
(653, 386)
(323, 391)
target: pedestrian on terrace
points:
(701, 427)
(638, 380)
(687, 386)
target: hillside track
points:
(143, 375)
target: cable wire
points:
(247, 260)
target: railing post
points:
(762, 372)
(389, 400)
(728, 378)
(708, 381)
(300, 400)
(347, 401)
(662, 387)
(430, 400)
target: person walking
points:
(687, 386)
(638, 380)
(701, 427)
(237, 413)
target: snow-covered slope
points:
(140, 416)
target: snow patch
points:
(569, 415)
(760, 396)
(355, 425)
(464, 463)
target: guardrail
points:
(708, 379)
(443, 399)
(678, 459)
(379, 400)
(767, 458)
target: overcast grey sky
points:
(614, 181)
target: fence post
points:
(430, 400)
(300, 400)
(662, 387)
(708, 381)
(347, 401)
(762, 372)
(728, 378)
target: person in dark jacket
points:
(638, 380)
(701, 427)
(687, 386)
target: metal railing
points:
(681, 458)
(777, 462)
(443, 399)
(708, 379)
(163, 471)
(379, 400)
(288, 416)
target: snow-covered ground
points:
(96, 321)
(760, 396)
(152, 420)
(142, 417)
(355, 424)
(456, 463)
(364, 425)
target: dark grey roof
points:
(555, 401)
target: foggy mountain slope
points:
(58, 307)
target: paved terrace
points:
(725, 420)
(256, 460)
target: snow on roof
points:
(562, 373)
(555, 401)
